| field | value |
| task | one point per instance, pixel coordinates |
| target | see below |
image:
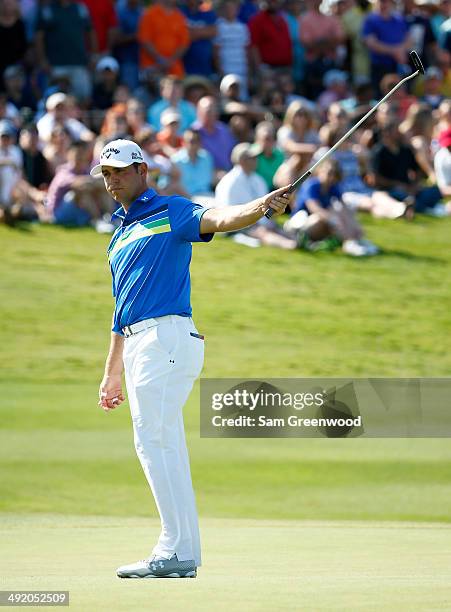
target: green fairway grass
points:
(287, 524)
(248, 565)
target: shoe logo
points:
(154, 566)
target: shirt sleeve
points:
(185, 217)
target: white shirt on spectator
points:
(442, 166)
(10, 172)
(77, 130)
(232, 39)
(237, 187)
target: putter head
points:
(416, 62)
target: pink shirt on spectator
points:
(314, 27)
(60, 185)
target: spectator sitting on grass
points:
(356, 193)
(10, 169)
(323, 219)
(195, 166)
(168, 137)
(58, 114)
(269, 157)
(336, 88)
(242, 184)
(74, 198)
(215, 136)
(417, 129)
(442, 164)
(396, 170)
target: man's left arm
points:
(236, 217)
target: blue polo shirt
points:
(149, 256)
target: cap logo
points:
(108, 152)
(136, 155)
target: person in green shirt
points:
(269, 157)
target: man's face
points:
(192, 143)
(123, 183)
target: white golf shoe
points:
(156, 567)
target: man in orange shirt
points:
(163, 34)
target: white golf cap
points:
(169, 116)
(119, 154)
(108, 63)
(55, 100)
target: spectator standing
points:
(291, 15)
(64, 40)
(321, 35)
(270, 37)
(215, 136)
(421, 33)
(198, 58)
(126, 48)
(13, 40)
(352, 21)
(386, 34)
(106, 81)
(231, 45)
(105, 23)
(171, 90)
(164, 38)
(136, 116)
(195, 165)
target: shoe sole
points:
(192, 574)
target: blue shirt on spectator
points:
(198, 59)
(149, 257)
(247, 10)
(311, 190)
(128, 23)
(196, 177)
(391, 31)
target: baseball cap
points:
(334, 76)
(55, 100)
(444, 138)
(6, 128)
(241, 150)
(13, 71)
(433, 73)
(119, 154)
(169, 116)
(107, 63)
(228, 81)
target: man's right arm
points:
(110, 392)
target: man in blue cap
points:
(155, 340)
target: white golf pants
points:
(161, 365)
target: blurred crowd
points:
(228, 99)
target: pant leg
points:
(161, 365)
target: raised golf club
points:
(418, 69)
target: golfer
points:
(155, 340)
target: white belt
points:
(135, 328)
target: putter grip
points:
(269, 213)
